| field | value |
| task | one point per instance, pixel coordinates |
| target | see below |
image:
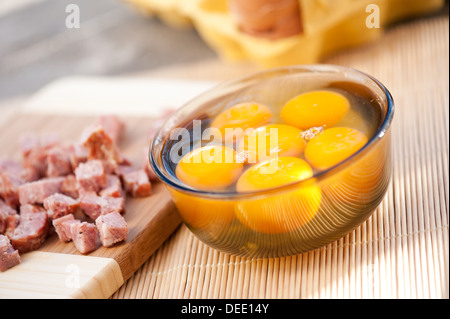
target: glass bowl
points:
(342, 197)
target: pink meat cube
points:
(113, 187)
(98, 143)
(11, 223)
(58, 162)
(85, 237)
(31, 209)
(69, 186)
(58, 205)
(112, 229)
(136, 183)
(15, 169)
(9, 188)
(77, 154)
(36, 160)
(112, 125)
(9, 257)
(109, 166)
(36, 192)
(63, 227)
(91, 176)
(27, 142)
(32, 229)
(5, 211)
(94, 205)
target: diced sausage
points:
(28, 142)
(58, 162)
(112, 229)
(85, 237)
(70, 186)
(136, 183)
(9, 257)
(113, 187)
(77, 154)
(31, 231)
(99, 144)
(9, 189)
(58, 205)
(91, 176)
(34, 151)
(31, 209)
(63, 228)
(112, 125)
(5, 211)
(36, 192)
(11, 223)
(94, 205)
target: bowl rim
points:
(378, 136)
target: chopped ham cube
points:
(58, 205)
(94, 205)
(77, 154)
(36, 159)
(113, 187)
(36, 192)
(109, 166)
(15, 169)
(58, 162)
(136, 183)
(63, 227)
(112, 229)
(69, 186)
(91, 176)
(34, 150)
(28, 142)
(9, 188)
(99, 144)
(31, 209)
(11, 223)
(9, 257)
(32, 229)
(5, 211)
(85, 237)
(112, 125)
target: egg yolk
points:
(273, 173)
(212, 167)
(280, 212)
(203, 213)
(242, 116)
(313, 109)
(333, 146)
(270, 141)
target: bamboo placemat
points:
(402, 251)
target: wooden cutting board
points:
(57, 269)
(67, 106)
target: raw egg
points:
(313, 109)
(241, 116)
(270, 141)
(203, 213)
(212, 167)
(333, 146)
(280, 212)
